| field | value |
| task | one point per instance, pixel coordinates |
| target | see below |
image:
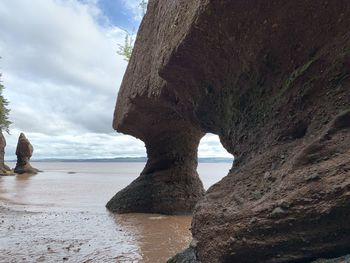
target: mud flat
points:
(58, 216)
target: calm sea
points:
(59, 215)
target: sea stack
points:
(272, 80)
(4, 169)
(24, 152)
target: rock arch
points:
(272, 80)
(169, 183)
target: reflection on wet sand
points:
(22, 182)
(24, 177)
(56, 216)
(158, 237)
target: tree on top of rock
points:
(143, 5)
(125, 49)
(4, 111)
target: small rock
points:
(267, 175)
(278, 211)
(273, 166)
(194, 243)
(313, 177)
(232, 240)
(283, 204)
(253, 220)
(40, 259)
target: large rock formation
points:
(169, 184)
(24, 152)
(4, 169)
(271, 78)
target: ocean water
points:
(59, 216)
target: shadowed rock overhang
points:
(271, 78)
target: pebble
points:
(253, 220)
(313, 177)
(193, 243)
(267, 175)
(232, 240)
(278, 211)
(284, 204)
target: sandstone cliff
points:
(271, 78)
(4, 169)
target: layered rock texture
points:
(24, 152)
(4, 169)
(271, 78)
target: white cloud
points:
(98, 145)
(62, 74)
(75, 146)
(210, 146)
(135, 8)
(60, 69)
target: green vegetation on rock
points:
(295, 75)
(125, 50)
(4, 111)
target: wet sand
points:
(59, 216)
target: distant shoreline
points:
(126, 160)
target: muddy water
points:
(59, 216)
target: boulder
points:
(271, 78)
(24, 152)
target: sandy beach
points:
(59, 216)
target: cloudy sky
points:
(62, 76)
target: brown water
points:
(59, 215)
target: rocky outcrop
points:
(4, 169)
(169, 184)
(271, 78)
(24, 152)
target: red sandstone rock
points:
(24, 152)
(169, 184)
(4, 169)
(271, 78)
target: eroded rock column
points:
(24, 152)
(271, 78)
(169, 183)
